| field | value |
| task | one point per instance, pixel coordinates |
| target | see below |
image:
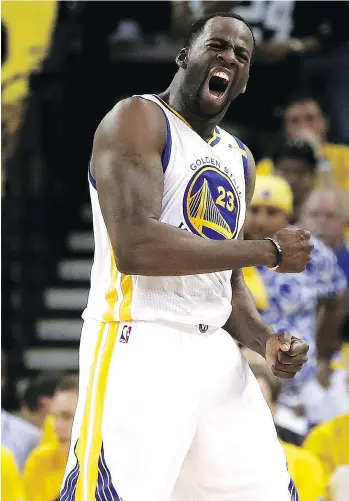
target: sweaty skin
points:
(126, 163)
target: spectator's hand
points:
(285, 355)
(324, 373)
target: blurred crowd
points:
(295, 118)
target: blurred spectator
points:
(292, 300)
(295, 161)
(330, 443)
(11, 482)
(304, 119)
(17, 435)
(48, 461)
(304, 467)
(36, 401)
(322, 216)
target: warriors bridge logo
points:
(211, 205)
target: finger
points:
(297, 348)
(286, 359)
(283, 375)
(287, 368)
(285, 340)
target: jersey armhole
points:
(244, 158)
(90, 177)
(166, 154)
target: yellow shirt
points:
(48, 433)
(330, 443)
(47, 463)
(337, 154)
(306, 472)
(11, 482)
(256, 286)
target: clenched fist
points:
(296, 247)
(285, 355)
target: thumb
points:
(284, 339)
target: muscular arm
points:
(245, 323)
(126, 163)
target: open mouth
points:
(218, 84)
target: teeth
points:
(221, 74)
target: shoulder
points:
(336, 149)
(324, 268)
(321, 253)
(20, 425)
(134, 113)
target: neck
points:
(173, 95)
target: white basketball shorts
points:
(170, 412)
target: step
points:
(59, 329)
(52, 359)
(65, 298)
(75, 269)
(86, 213)
(80, 241)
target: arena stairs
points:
(58, 327)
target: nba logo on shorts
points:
(125, 334)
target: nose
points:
(227, 58)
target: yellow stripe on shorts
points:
(90, 441)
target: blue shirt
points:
(343, 261)
(293, 299)
(19, 436)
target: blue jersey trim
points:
(244, 159)
(166, 154)
(91, 178)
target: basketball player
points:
(164, 390)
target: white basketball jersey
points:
(204, 193)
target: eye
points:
(215, 46)
(243, 55)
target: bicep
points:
(126, 162)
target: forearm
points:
(245, 324)
(158, 249)
(330, 318)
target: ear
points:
(182, 58)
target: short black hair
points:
(67, 383)
(43, 385)
(198, 26)
(303, 97)
(298, 149)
